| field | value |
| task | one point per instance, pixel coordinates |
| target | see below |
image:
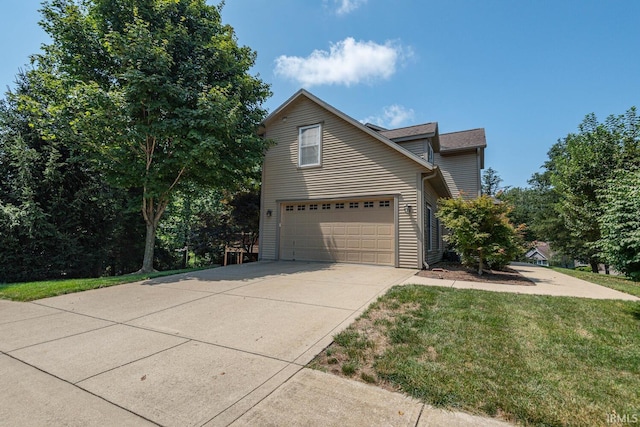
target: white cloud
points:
(392, 116)
(348, 62)
(348, 6)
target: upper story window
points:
(309, 145)
(429, 152)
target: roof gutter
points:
(436, 173)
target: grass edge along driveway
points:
(619, 283)
(537, 360)
(30, 291)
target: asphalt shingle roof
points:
(474, 138)
(423, 129)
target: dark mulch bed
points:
(457, 271)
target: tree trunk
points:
(594, 265)
(149, 247)
(152, 211)
(480, 262)
(606, 269)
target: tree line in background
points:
(134, 129)
(586, 201)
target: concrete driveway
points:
(198, 349)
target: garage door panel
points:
(354, 257)
(369, 244)
(384, 230)
(337, 243)
(353, 230)
(353, 244)
(385, 259)
(383, 244)
(369, 258)
(360, 232)
(339, 230)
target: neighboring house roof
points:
(439, 181)
(541, 250)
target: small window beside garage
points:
(384, 203)
(301, 207)
(354, 205)
(339, 205)
(368, 204)
(313, 207)
(288, 208)
(326, 206)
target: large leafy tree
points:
(481, 231)
(58, 216)
(535, 206)
(159, 93)
(579, 169)
(620, 222)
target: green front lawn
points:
(29, 291)
(537, 360)
(619, 283)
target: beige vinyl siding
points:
(417, 147)
(353, 164)
(461, 172)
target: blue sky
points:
(526, 71)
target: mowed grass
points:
(619, 283)
(29, 291)
(537, 360)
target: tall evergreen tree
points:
(490, 182)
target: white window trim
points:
(300, 130)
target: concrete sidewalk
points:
(545, 282)
(213, 347)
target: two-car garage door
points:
(359, 231)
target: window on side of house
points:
(438, 234)
(429, 152)
(429, 226)
(309, 145)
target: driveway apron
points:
(194, 349)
